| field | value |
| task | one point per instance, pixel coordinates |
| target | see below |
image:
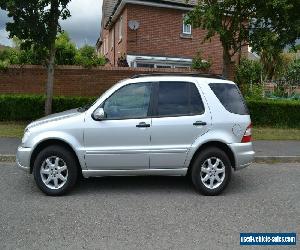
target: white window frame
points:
(121, 28)
(186, 28)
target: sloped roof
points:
(108, 8)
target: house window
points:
(112, 38)
(186, 28)
(121, 28)
(105, 45)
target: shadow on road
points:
(147, 184)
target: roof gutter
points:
(119, 7)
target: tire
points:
(55, 170)
(211, 166)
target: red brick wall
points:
(120, 46)
(160, 34)
(69, 80)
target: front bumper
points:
(243, 153)
(23, 158)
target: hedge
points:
(31, 107)
(275, 113)
(265, 113)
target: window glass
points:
(187, 28)
(197, 106)
(144, 65)
(129, 102)
(230, 97)
(121, 28)
(178, 98)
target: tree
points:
(36, 24)
(65, 50)
(87, 57)
(247, 22)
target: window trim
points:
(155, 91)
(150, 108)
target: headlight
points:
(26, 135)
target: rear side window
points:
(230, 97)
(178, 98)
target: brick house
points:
(153, 34)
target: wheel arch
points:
(221, 145)
(50, 142)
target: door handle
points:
(199, 123)
(143, 125)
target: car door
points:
(180, 117)
(121, 140)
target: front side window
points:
(186, 28)
(179, 99)
(129, 102)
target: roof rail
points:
(181, 74)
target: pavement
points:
(148, 212)
(284, 151)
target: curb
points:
(258, 159)
(280, 159)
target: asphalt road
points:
(148, 212)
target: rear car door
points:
(180, 116)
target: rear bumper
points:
(23, 158)
(243, 153)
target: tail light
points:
(248, 135)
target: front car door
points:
(121, 140)
(180, 117)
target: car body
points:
(165, 123)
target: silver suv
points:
(173, 125)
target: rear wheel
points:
(55, 170)
(211, 171)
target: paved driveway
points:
(148, 212)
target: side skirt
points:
(137, 172)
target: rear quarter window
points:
(231, 98)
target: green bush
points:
(265, 113)
(275, 113)
(31, 107)
(200, 63)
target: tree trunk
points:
(53, 26)
(226, 63)
(50, 82)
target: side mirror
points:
(99, 114)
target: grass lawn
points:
(12, 129)
(276, 134)
(16, 129)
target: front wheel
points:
(55, 170)
(211, 171)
